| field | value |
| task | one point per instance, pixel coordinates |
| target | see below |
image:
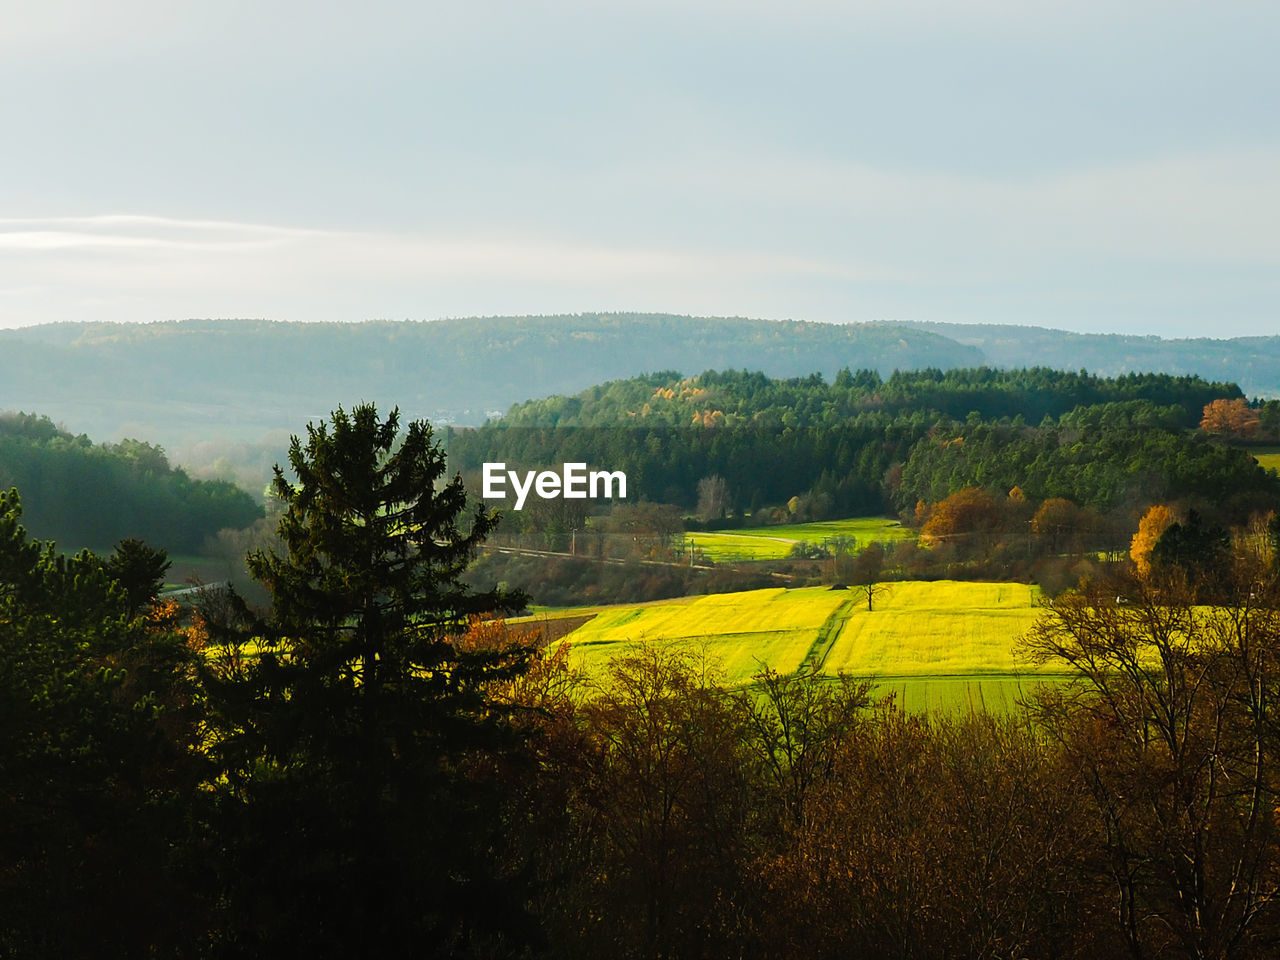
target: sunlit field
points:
(739, 633)
(945, 644)
(774, 543)
(1270, 459)
(945, 627)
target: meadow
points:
(943, 644)
(1270, 459)
(774, 543)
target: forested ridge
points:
(1253, 362)
(866, 444)
(179, 382)
(79, 493)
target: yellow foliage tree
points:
(1154, 522)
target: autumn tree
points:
(1153, 523)
(1231, 417)
(659, 798)
(1055, 523)
(798, 725)
(969, 516)
(947, 836)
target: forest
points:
(375, 763)
(80, 493)
(866, 445)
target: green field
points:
(935, 645)
(774, 543)
(1269, 459)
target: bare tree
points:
(867, 570)
(713, 497)
(1172, 722)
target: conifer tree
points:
(354, 729)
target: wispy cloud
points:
(817, 240)
(150, 268)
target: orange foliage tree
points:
(1154, 522)
(1055, 521)
(968, 511)
(1232, 417)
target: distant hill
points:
(1252, 362)
(172, 382)
(181, 382)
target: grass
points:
(995, 693)
(728, 547)
(1270, 460)
(940, 645)
(774, 543)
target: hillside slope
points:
(243, 378)
(1252, 362)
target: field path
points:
(731, 536)
(828, 633)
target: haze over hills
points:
(178, 383)
(1252, 362)
(242, 378)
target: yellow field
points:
(774, 543)
(995, 693)
(740, 633)
(946, 644)
(945, 628)
(1269, 460)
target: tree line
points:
(80, 493)
(841, 444)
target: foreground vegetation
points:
(373, 766)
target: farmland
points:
(939, 644)
(774, 543)
(1270, 459)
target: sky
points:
(1095, 166)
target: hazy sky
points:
(1088, 165)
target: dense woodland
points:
(79, 493)
(370, 766)
(866, 445)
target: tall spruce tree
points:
(358, 739)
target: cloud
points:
(152, 268)
(1140, 246)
